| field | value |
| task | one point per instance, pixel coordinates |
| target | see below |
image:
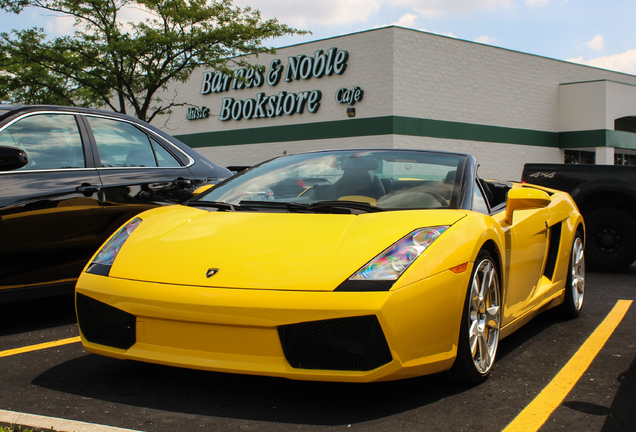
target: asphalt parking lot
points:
(45, 372)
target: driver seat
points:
(358, 179)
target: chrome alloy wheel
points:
(484, 316)
(577, 273)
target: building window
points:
(626, 124)
(579, 157)
(624, 159)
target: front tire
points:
(481, 320)
(575, 282)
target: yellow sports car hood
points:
(255, 250)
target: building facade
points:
(400, 88)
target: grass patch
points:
(23, 429)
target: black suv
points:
(69, 177)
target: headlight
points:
(106, 256)
(380, 273)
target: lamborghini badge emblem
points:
(211, 272)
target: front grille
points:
(352, 344)
(105, 325)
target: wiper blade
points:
(291, 206)
(219, 205)
(338, 207)
(344, 207)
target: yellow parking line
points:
(39, 346)
(537, 413)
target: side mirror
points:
(12, 158)
(525, 199)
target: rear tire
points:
(481, 320)
(575, 282)
(611, 239)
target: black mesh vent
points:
(553, 250)
(105, 325)
(355, 344)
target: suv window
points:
(121, 144)
(51, 141)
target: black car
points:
(69, 177)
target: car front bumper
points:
(322, 336)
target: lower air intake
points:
(351, 344)
(105, 325)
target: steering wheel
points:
(440, 199)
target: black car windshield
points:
(362, 180)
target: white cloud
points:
(596, 43)
(537, 3)
(134, 14)
(407, 20)
(487, 40)
(624, 62)
(300, 14)
(64, 25)
(449, 34)
(436, 8)
(60, 25)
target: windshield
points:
(382, 180)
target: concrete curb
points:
(60, 425)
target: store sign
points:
(297, 68)
(270, 106)
(349, 97)
(197, 113)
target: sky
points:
(599, 33)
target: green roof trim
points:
(473, 132)
(581, 139)
(295, 132)
(397, 125)
(621, 139)
(388, 125)
(598, 138)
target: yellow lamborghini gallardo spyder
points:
(345, 265)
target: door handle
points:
(182, 182)
(88, 189)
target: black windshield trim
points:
(338, 207)
(282, 205)
(218, 205)
(344, 204)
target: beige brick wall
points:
(414, 74)
(497, 161)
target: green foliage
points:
(20, 428)
(17, 429)
(118, 65)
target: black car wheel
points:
(611, 242)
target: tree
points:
(127, 66)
